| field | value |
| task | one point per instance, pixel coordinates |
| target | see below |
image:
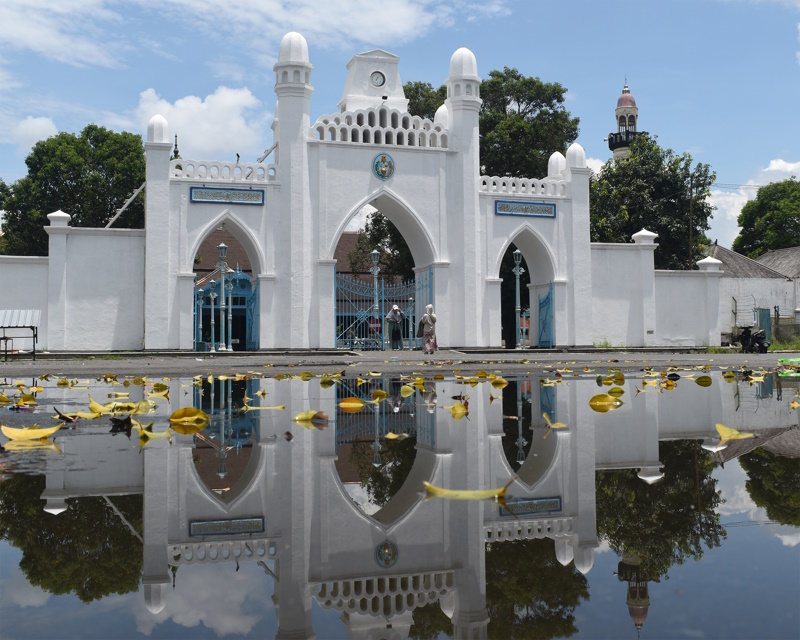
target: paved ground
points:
(510, 362)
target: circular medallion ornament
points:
(386, 554)
(383, 166)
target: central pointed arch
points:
(240, 230)
(403, 216)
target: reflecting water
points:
(627, 515)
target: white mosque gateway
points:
(117, 289)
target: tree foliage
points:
(771, 221)
(423, 99)
(529, 594)
(665, 523)
(86, 550)
(655, 190)
(774, 484)
(522, 123)
(89, 176)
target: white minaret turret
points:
(627, 119)
(465, 242)
(294, 264)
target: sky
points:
(719, 79)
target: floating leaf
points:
(326, 382)
(438, 376)
(553, 425)
(727, 433)
(458, 410)
(351, 404)
(29, 433)
(96, 407)
(4, 399)
(277, 407)
(146, 434)
(498, 495)
(28, 445)
(119, 394)
(704, 381)
(186, 420)
(616, 392)
(396, 436)
(379, 394)
(603, 403)
(499, 383)
(406, 391)
(729, 376)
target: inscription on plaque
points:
(231, 196)
(523, 507)
(226, 527)
(533, 209)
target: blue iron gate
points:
(241, 303)
(546, 318)
(763, 319)
(362, 305)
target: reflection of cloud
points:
(214, 595)
(789, 540)
(359, 495)
(17, 590)
(602, 547)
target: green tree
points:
(522, 123)
(423, 99)
(667, 522)
(529, 594)
(89, 176)
(655, 190)
(86, 550)
(774, 483)
(771, 221)
(383, 482)
(395, 256)
(429, 622)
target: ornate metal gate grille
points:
(362, 305)
(546, 319)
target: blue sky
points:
(719, 79)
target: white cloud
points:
(595, 164)
(18, 591)
(724, 225)
(29, 131)
(224, 123)
(789, 540)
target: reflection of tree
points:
(86, 549)
(429, 622)
(529, 594)
(383, 482)
(774, 483)
(659, 522)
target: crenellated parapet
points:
(528, 529)
(216, 171)
(211, 552)
(551, 187)
(380, 125)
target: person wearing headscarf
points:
(394, 318)
(429, 331)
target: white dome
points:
(576, 156)
(158, 129)
(154, 598)
(442, 117)
(463, 64)
(556, 165)
(564, 551)
(294, 48)
(584, 559)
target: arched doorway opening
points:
(383, 259)
(526, 298)
(226, 295)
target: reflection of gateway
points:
(240, 312)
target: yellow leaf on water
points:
(351, 404)
(499, 383)
(189, 415)
(160, 387)
(704, 381)
(438, 376)
(396, 436)
(616, 392)
(327, 382)
(498, 495)
(379, 394)
(30, 433)
(603, 403)
(374, 374)
(553, 425)
(406, 391)
(458, 411)
(4, 399)
(96, 407)
(727, 433)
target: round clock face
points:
(377, 78)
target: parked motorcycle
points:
(753, 342)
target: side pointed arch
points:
(240, 231)
(537, 252)
(402, 216)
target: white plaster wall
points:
(617, 295)
(24, 281)
(685, 312)
(766, 292)
(104, 289)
